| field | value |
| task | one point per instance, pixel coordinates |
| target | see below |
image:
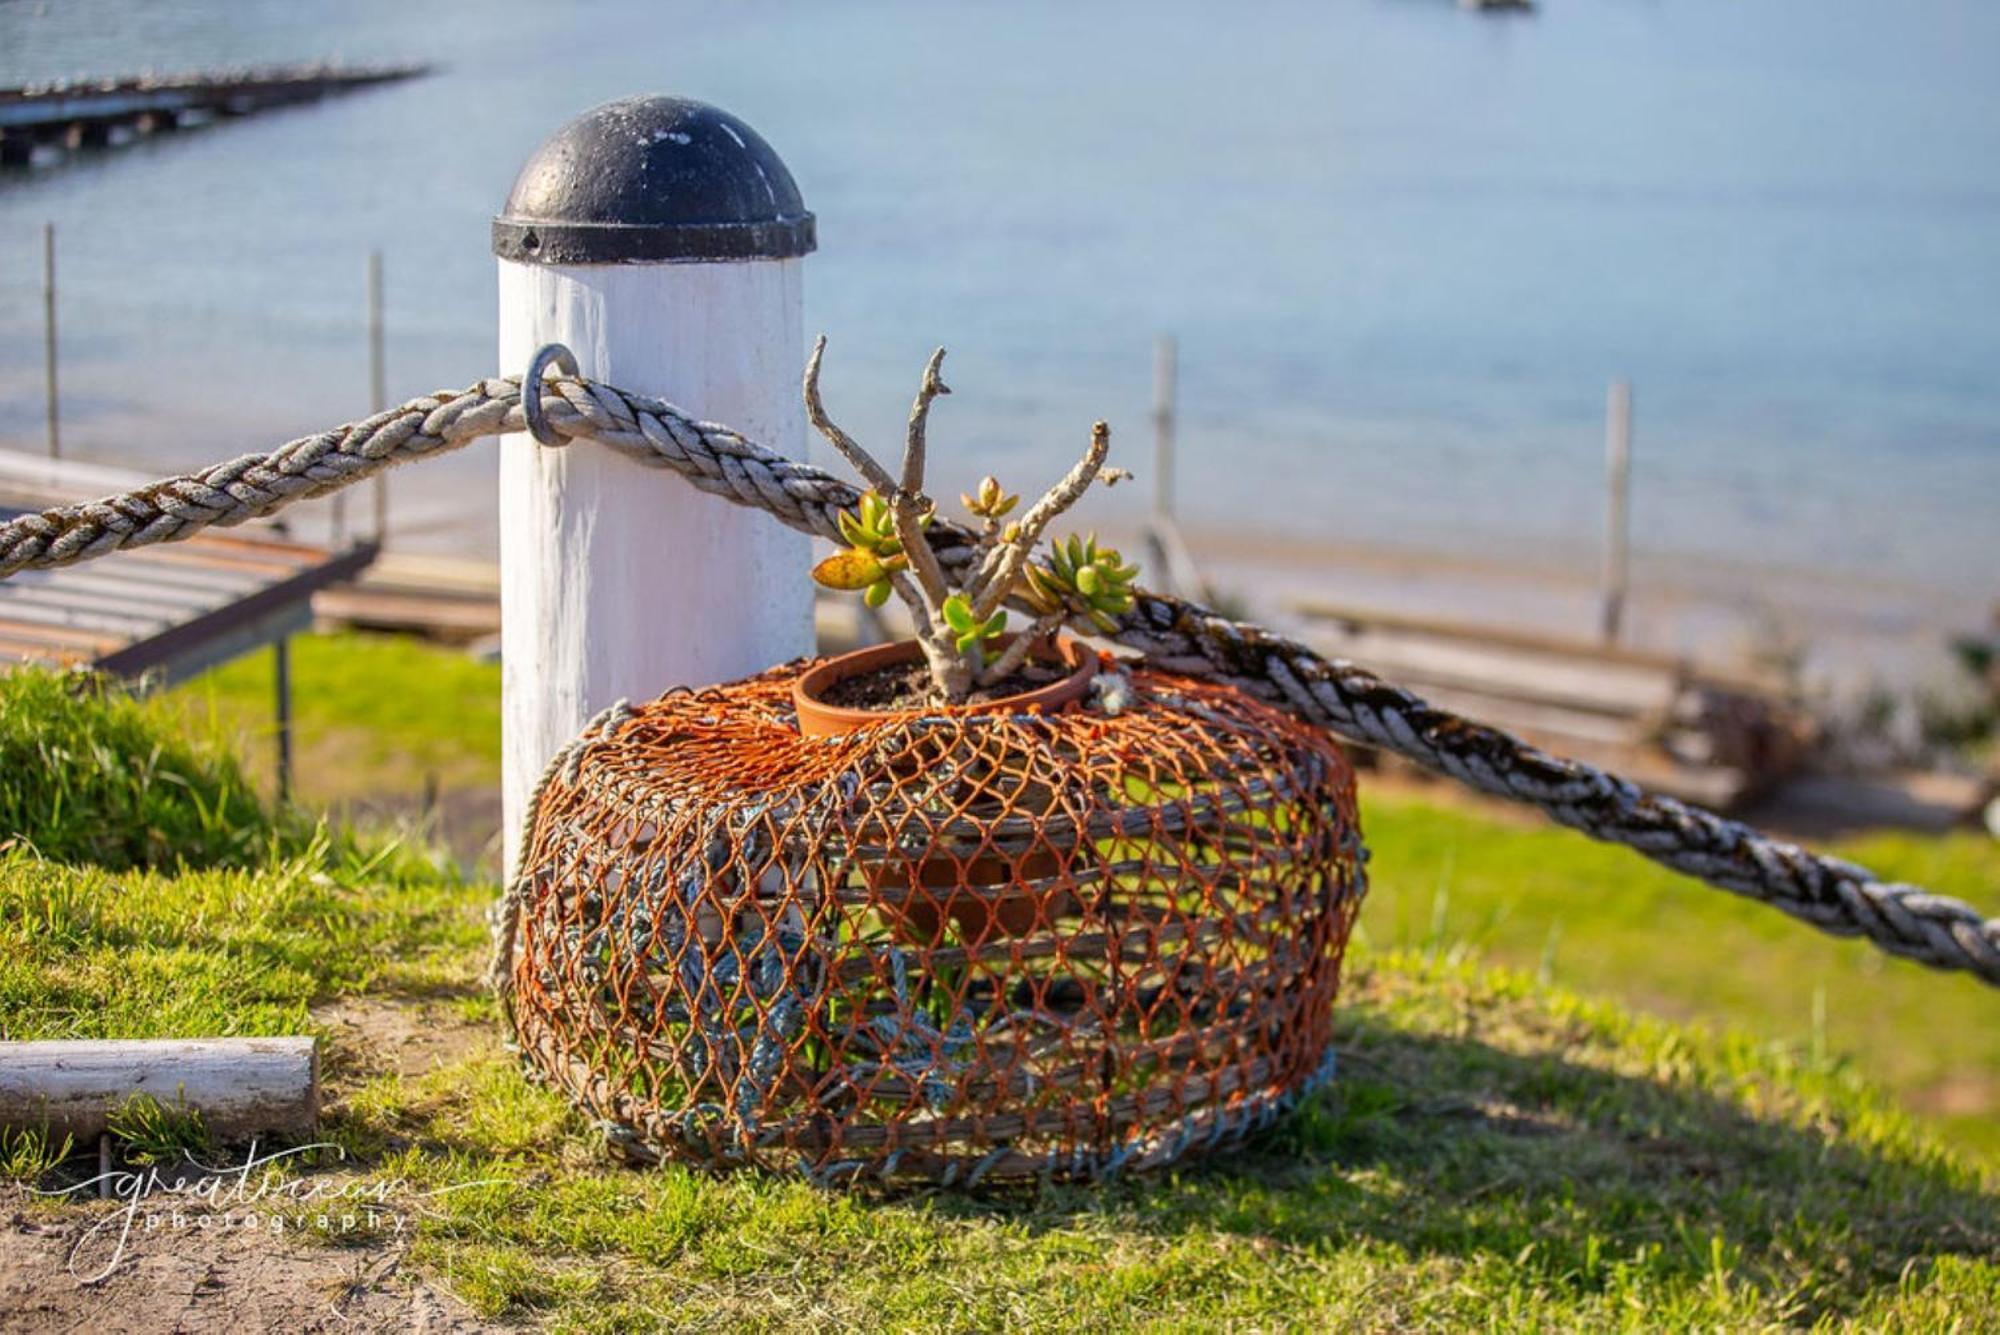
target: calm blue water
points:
(1404, 247)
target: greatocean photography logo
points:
(260, 1194)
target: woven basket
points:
(950, 948)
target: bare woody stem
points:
(860, 460)
(1002, 567)
(1024, 643)
(906, 508)
(907, 503)
(920, 411)
(951, 669)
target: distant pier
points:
(76, 116)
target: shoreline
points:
(1849, 632)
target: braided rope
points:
(1836, 896)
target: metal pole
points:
(1165, 367)
(378, 394)
(49, 333)
(1618, 501)
(281, 659)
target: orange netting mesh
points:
(953, 948)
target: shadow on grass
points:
(1570, 1177)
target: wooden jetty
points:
(80, 115)
(1694, 732)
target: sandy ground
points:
(183, 1266)
(203, 1279)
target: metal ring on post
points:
(550, 354)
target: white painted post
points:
(661, 241)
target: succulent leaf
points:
(849, 570)
(991, 501)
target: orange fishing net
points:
(951, 948)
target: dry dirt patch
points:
(197, 1278)
(183, 1266)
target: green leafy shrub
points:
(89, 774)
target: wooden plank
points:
(31, 651)
(1355, 621)
(260, 545)
(122, 570)
(357, 605)
(124, 625)
(1501, 670)
(1358, 619)
(417, 572)
(60, 636)
(115, 598)
(241, 1086)
(288, 601)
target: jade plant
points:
(961, 618)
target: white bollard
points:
(660, 239)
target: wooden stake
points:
(49, 336)
(378, 385)
(1166, 369)
(281, 665)
(1618, 481)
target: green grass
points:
(88, 774)
(86, 953)
(377, 713)
(1495, 1152)
(1498, 1149)
(1449, 877)
(226, 918)
(154, 1132)
(373, 715)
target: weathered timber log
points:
(241, 1086)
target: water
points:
(1404, 248)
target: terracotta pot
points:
(823, 720)
(973, 896)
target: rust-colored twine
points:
(951, 949)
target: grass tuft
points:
(89, 774)
(152, 1132)
(28, 1154)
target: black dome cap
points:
(651, 180)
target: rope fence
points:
(1171, 635)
